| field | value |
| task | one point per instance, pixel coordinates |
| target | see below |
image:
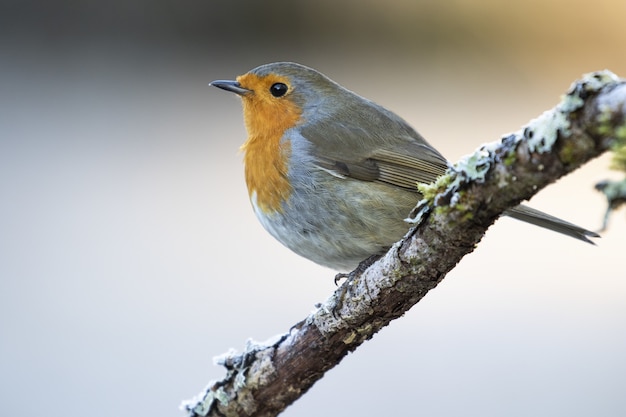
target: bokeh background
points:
(129, 255)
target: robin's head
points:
(275, 96)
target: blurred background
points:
(130, 256)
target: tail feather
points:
(541, 219)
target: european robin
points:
(333, 175)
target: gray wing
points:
(402, 160)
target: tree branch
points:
(450, 221)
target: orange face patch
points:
(267, 118)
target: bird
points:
(332, 175)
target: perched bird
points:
(333, 175)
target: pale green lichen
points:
(429, 191)
(615, 193)
(350, 338)
(603, 119)
(201, 404)
(618, 162)
(222, 396)
(620, 134)
(569, 153)
(606, 126)
(236, 365)
(594, 81)
(456, 207)
(240, 380)
(262, 368)
(510, 158)
(571, 102)
(474, 167)
(543, 131)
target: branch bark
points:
(450, 221)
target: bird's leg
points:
(358, 270)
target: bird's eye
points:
(278, 89)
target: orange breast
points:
(266, 155)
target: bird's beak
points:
(229, 85)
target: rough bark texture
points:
(452, 219)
